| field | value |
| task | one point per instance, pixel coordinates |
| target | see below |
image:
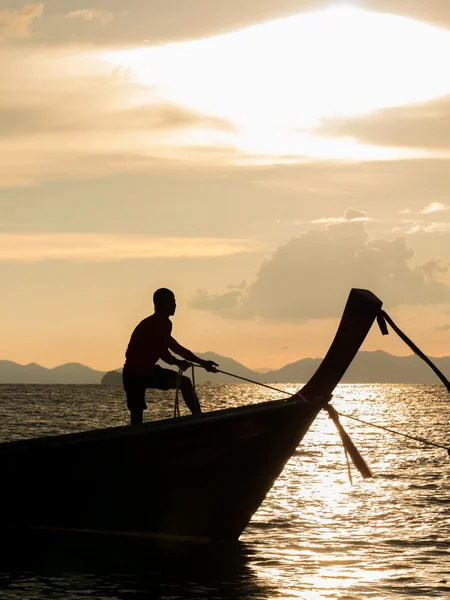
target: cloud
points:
(419, 220)
(435, 207)
(63, 106)
(433, 267)
(88, 247)
(203, 19)
(413, 227)
(445, 327)
(89, 14)
(277, 116)
(70, 114)
(420, 126)
(310, 276)
(351, 214)
(17, 23)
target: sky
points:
(260, 159)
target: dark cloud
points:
(354, 214)
(311, 275)
(69, 113)
(221, 303)
(170, 116)
(433, 268)
(445, 327)
(435, 12)
(159, 21)
(420, 126)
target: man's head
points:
(164, 301)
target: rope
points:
(382, 318)
(195, 397)
(176, 408)
(406, 435)
(348, 466)
(417, 439)
(193, 379)
(270, 387)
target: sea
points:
(317, 535)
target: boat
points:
(197, 478)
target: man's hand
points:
(210, 366)
(184, 365)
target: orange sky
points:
(260, 163)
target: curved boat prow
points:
(360, 312)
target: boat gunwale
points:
(121, 431)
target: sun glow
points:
(278, 82)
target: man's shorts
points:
(135, 385)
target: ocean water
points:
(316, 536)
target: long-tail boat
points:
(194, 478)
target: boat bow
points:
(360, 312)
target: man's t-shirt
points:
(148, 342)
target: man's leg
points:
(189, 396)
(134, 387)
(166, 379)
(136, 417)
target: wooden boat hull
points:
(202, 480)
(196, 478)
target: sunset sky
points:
(259, 158)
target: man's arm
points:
(170, 359)
(209, 365)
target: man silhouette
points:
(151, 341)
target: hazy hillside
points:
(201, 376)
(11, 372)
(368, 367)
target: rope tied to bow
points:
(384, 318)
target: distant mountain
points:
(11, 372)
(202, 376)
(367, 367)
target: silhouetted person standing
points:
(151, 341)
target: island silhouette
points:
(367, 367)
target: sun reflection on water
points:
(339, 540)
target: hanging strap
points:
(349, 446)
(349, 471)
(382, 318)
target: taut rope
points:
(406, 435)
(382, 319)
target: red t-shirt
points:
(148, 342)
